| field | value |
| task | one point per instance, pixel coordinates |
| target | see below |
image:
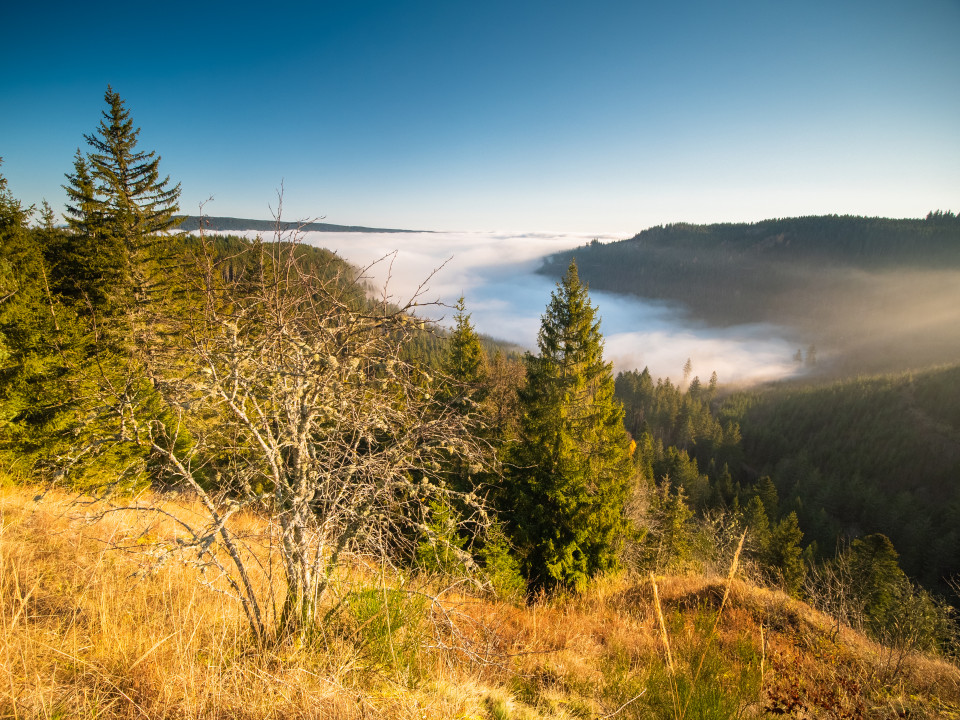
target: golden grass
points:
(85, 633)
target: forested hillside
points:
(193, 223)
(860, 456)
(358, 483)
(872, 294)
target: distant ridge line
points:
(191, 223)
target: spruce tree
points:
(758, 527)
(109, 266)
(784, 557)
(90, 266)
(118, 204)
(465, 364)
(571, 467)
(38, 338)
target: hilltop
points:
(191, 223)
(871, 294)
(82, 641)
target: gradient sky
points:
(603, 117)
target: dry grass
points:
(85, 633)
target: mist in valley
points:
(860, 300)
(506, 297)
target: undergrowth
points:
(93, 631)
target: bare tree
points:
(286, 394)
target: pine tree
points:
(758, 527)
(108, 266)
(572, 467)
(90, 266)
(784, 557)
(17, 256)
(465, 364)
(674, 535)
(767, 492)
(875, 575)
(119, 203)
(37, 343)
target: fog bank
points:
(495, 272)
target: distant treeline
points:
(851, 240)
(737, 263)
(192, 223)
(854, 286)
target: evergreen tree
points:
(673, 534)
(108, 267)
(118, 204)
(37, 342)
(767, 492)
(17, 258)
(876, 576)
(504, 381)
(465, 364)
(758, 526)
(784, 557)
(90, 266)
(571, 468)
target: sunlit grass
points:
(89, 630)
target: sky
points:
(596, 118)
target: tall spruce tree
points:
(110, 267)
(118, 204)
(571, 467)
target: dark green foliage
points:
(571, 468)
(766, 492)
(678, 418)
(875, 455)
(783, 559)
(441, 551)
(465, 364)
(135, 202)
(758, 527)
(865, 587)
(33, 396)
(671, 537)
(118, 204)
(875, 576)
(676, 467)
(756, 257)
(853, 284)
(91, 267)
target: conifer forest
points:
(387, 504)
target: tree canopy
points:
(571, 468)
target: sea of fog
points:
(495, 272)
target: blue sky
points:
(603, 117)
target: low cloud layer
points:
(495, 272)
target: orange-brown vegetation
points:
(90, 628)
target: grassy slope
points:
(87, 635)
